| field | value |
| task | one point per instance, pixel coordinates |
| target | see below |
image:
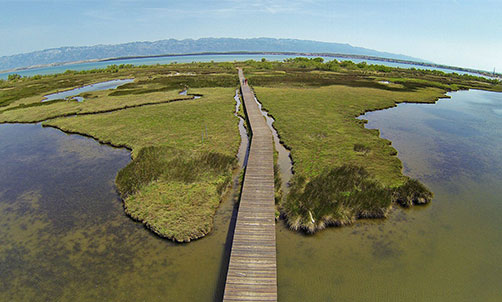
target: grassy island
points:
(183, 147)
(344, 171)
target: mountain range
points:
(172, 46)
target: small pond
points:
(94, 87)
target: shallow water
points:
(185, 93)
(198, 58)
(64, 235)
(284, 161)
(94, 87)
(450, 250)
(243, 152)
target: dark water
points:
(450, 250)
(64, 235)
(94, 87)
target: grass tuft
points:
(337, 196)
(362, 148)
(412, 192)
(343, 194)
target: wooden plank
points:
(252, 271)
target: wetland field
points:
(128, 191)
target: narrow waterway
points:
(284, 160)
(64, 235)
(450, 250)
(243, 152)
(89, 88)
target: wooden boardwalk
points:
(252, 271)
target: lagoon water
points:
(64, 235)
(194, 58)
(450, 250)
(88, 88)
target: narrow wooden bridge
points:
(252, 271)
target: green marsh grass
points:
(94, 103)
(343, 171)
(337, 196)
(182, 151)
(201, 75)
(174, 192)
(175, 181)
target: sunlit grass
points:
(183, 154)
(175, 193)
(343, 171)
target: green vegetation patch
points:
(335, 197)
(21, 99)
(315, 72)
(150, 78)
(173, 192)
(182, 81)
(319, 125)
(32, 110)
(183, 154)
(343, 171)
(340, 195)
(19, 88)
(205, 124)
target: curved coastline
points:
(48, 122)
(284, 53)
(410, 192)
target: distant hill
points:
(172, 46)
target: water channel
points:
(284, 161)
(88, 88)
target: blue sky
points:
(455, 32)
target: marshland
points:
(177, 163)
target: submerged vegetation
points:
(183, 152)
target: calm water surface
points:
(64, 235)
(197, 58)
(94, 87)
(450, 250)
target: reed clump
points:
(412, 192)
(340, 195)
(362, 148)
